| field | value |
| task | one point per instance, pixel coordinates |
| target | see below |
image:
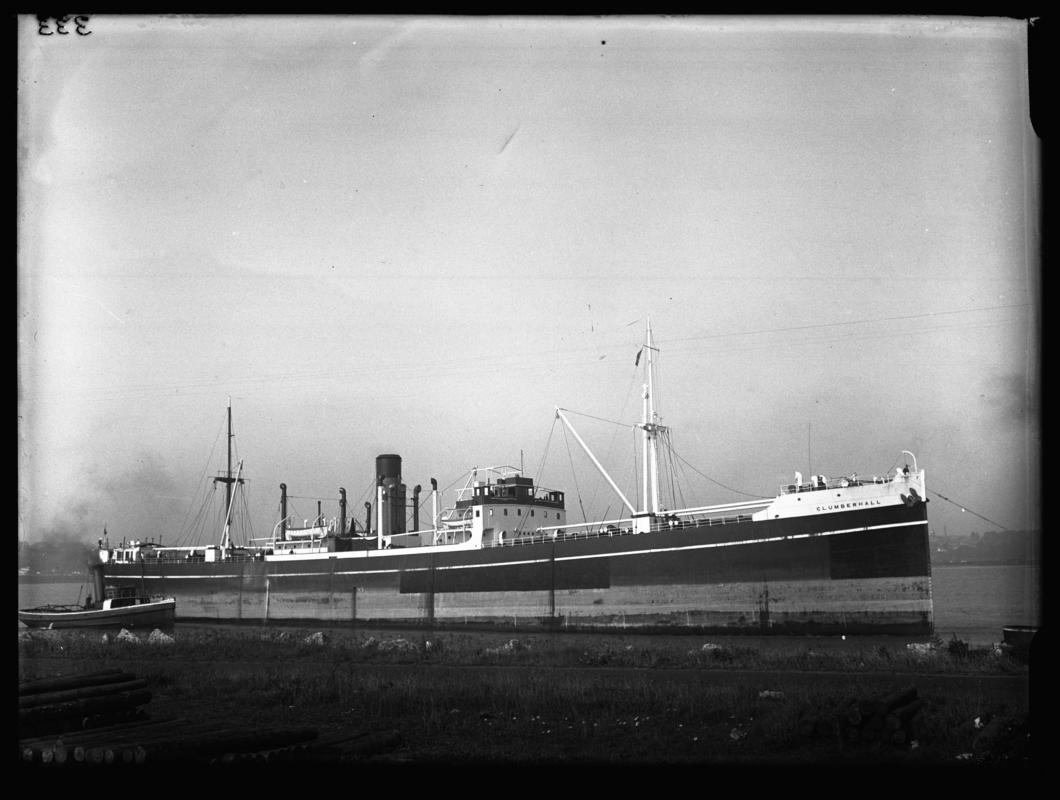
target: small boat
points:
(1017, 641)
(140, 613)
(122, 606)
(1019, 635)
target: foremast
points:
(228, 480)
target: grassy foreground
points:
(540, 699)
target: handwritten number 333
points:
(80, 26)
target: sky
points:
(420, 235)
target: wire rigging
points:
(719, 483)
(965, 509)
(574, 476)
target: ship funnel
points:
(388, 468)
(367, 518)
(283, 511)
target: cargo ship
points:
(845, 555)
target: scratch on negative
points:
(506, 141)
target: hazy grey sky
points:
(420, 235)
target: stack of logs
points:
(890, 719)
(99, 718)
(78, 702)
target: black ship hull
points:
(855, 571)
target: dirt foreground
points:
(589, 701)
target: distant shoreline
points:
(52, 578)
(985, 564)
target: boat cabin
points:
(510, 508)
(120, 597)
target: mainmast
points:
(226, 537)
(650, 426)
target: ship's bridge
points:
(512, 490)
(509, 507)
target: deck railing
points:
(844, 482)
(609, 530)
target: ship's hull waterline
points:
(857, 571)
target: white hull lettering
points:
(843, 506)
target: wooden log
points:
(122, 744)
(326, 755)
(880, 706)
(46, 728)
(332, 744)
(51, 698)
(177, 734)
(79, 709)
(334, 748)
(117, 734)
(215, 745)
(35, 753)
(188, 740)
(340, 737)
(83, 735)
(373, 743)
(907, 711)
(900, 698)
(108, 719)
(898, 737)
(73, 681)
(898, 717)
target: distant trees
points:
(995, 547)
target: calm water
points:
(971, 602)
(976, 602)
